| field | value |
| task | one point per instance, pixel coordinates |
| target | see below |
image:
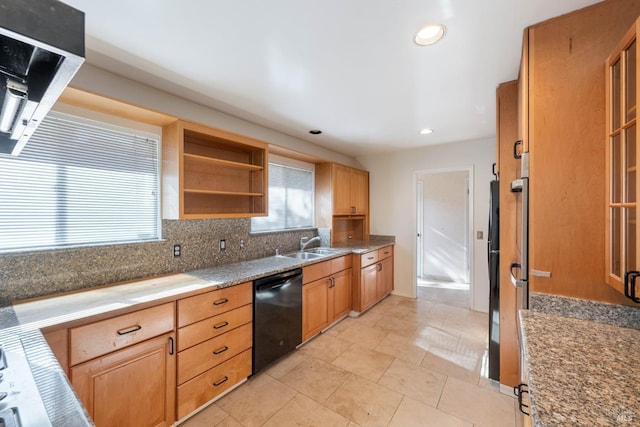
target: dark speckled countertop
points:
(581, 372)
(22, 321)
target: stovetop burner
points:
(9, 418)
(20, 401)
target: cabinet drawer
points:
(195, 360)
(95, 339)
(341, 263)
(213, 326)
(206, 386)
(385, 252)
(200, 307)
(368, 258)
(314, 272)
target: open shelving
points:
(210, 173)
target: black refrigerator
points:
(493, 249)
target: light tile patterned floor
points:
(403, 363)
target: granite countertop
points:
(21, 323)
(580, 372)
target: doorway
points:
(443, 224)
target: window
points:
(80, 182)
(290, 196)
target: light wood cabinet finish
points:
(96, 339)
(211, 383)
(325, 299)
(315, 307)
(565, 98)
(214, 326)
(372, 278)
(130, 387)
(506, 135)
(622, 89)
(197, 359)
(58, 340)
(211, 173)
(200, 307)
(342, 201)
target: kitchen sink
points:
(304, 255)
(323, 251)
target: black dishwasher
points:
(277, 316)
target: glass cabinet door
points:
(622, 160)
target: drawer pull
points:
(369, 257)
(220, 325)
(221, 301)
(130, 329)
(221, 381)
(221, 350)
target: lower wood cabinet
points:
(134, 386)
(372, 277)
(326, 299)
(215, 340)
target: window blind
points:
(290, 199)
(80, 182)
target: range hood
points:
(42, 47)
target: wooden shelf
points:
(225, 193)
(211, 173)
(213, 161)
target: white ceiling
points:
(347, 67)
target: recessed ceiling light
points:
(315, 132)
(430, 34)
(426, 131)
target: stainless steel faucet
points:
(304, 242)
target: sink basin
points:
(323, 251)
(304, 255)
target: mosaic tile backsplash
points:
(38, 273)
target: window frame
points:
(295, 164)
(108, 122)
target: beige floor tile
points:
(228, 422)
(342, 325)
(370, 318)
(418, 383)
(476, 404)
(325, 347)
(452, 364)
(287, 363)
(210, 416)
(363, 335)
(411, 350)
(365, 402)
(303, 411)
(398, 326)
(413, 413)
(365, 362)
(315, 378)
(436, 337)
(241, 403)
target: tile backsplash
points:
(38, 273)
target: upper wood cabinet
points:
(563, 108)
(211, 173)
(622, 159)
(342, 201)
(351, 191)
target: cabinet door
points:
(315, 307)
(359, 192)
(130, 387)
(368, 286)
(384, 284)
(341, 190)
(340, 294)
(622, 160)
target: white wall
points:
(393, 205)
(445, 225)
